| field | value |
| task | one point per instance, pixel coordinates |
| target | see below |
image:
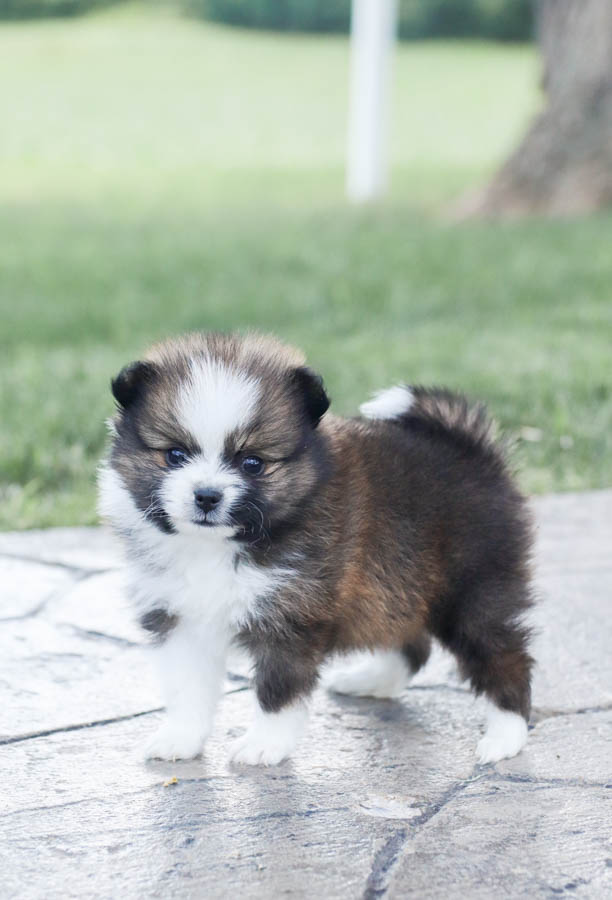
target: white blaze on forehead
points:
(214, 402)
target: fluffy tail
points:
(437, 411)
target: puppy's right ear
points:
(310, 385)
(131, 381)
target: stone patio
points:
(383, 798)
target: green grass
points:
(160, 175)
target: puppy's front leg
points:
(284, 678)
(191, 669)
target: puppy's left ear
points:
(310, 386)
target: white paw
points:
(272, 736)
(506, 735)
(254, 749)
(382, 674)
(175, 741)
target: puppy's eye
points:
(175, 457)
(252, 465)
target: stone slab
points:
(501, 838)
(97, 604)
(83, 807)
(53, 678)
(576, 748)
(573, 616)
(382, 799)
(26, 586)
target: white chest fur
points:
(202, 581)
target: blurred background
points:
(176, 166)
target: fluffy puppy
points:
(250, 516)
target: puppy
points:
(249, 515)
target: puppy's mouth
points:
(206, 523)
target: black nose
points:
(207, 498)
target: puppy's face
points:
(217, 435)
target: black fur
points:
(286, 665)
(159, 622)
(139, 465)
(131, 381)
(310, 386)
(416, 653)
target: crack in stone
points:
(383, 864)
(99, 635)
(80, 726)
(238, 690)
(517, 778)
(31, 614)
(193, 823)
(229, 820)
(58, 564)
(538, 714)
(77, 727)
(388, 856)
(53, 806)
(542, 714)
(294, 813)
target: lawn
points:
(161, 175)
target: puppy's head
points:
(218, 434)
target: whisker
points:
(262, 528)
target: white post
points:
(373, 25)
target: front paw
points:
(256, 749)
(175, 740)
(272, 737)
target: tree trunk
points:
(563, 166)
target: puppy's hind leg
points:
(482, 628)
(381, 673)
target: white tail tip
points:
(388, 404)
